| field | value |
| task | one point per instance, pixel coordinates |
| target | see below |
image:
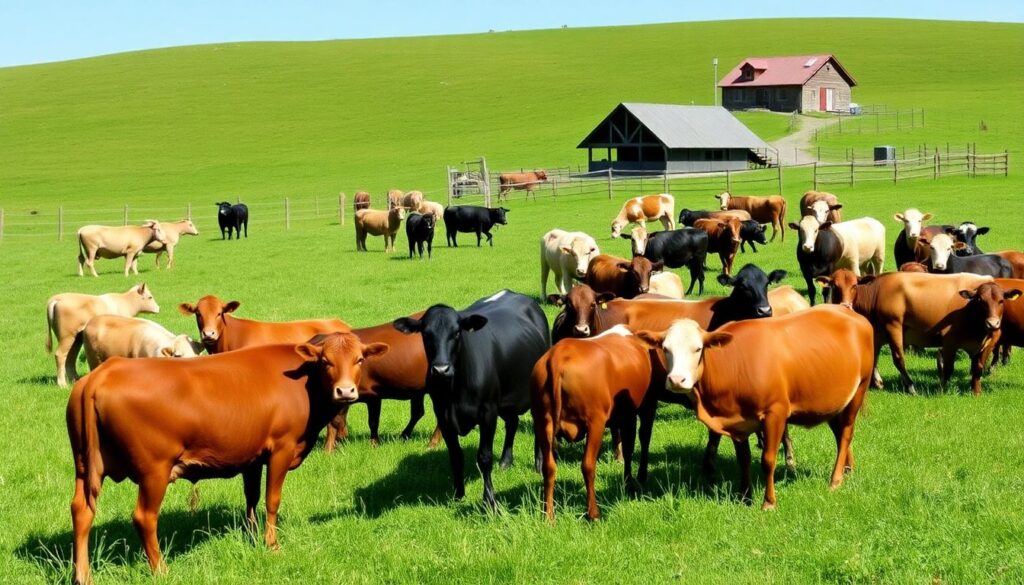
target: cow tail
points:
(51, 309)
(556, 396)
(92, 458)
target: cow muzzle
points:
(643, 289)
(807, 248)
(677, 383)
(345, 393)
(993, 324)
(765, 311)
(581, 330)
(581, 273)
(209, 336)
(442, 370)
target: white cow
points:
(862, 242)
(107, 336)
(100, 241)
(667, 284)
(567, 254)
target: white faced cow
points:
(567, 255)
(862, 242)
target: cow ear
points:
(1012, 295)
(866, 279)
(718, 196)
(567, 249)
(825, 226)
(952, 231)
(651, 339)
(167, 351)
(604, 297)
(794, 226)
(626, 236)
(472, 322)
(408, 325)
(898, 217)
(231, 307)
(141, 289)
(967, 294)
(658, 266)
(959, 245)
(308, 352)
(924, 240)
(622, 266)
(557, 300)
(375, 349)
(982, 231)
(926, 217)
(776, 276)
(187, 309)
(717, 339)
(835, 207)
(319, 339)
(726, 280)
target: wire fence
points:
(935, 166)
(873, 121)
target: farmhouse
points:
(812, 83)
(672, 138)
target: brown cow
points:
(155, 421)
(621, 277)
(821, 204)
(433, 208)
(395, 199)
(771, 209)
(1011, 330)
(172, 233)
(579, 387)
(723, 239)
(67, 314)
(360, 201)
(375, 222)
(114, 242)
(639, 210)
(949, 311)
(520, 182)
(763, 374)
(1016, 260)
(913, 267)
(412, 200)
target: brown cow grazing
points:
(913, 267)
(1011, 330)
(822, 205)
(763, 374)
(375, 222)
(520, 182)
(771, 209)
(67, 314)
(114, 242)
(723, 239)
(579, 387)
(360, 201)
(172, 234)
(621, 277)
(412, 200)
(639, 210)
(432, 208)
(949, 311)
(107, 336)
(155, 421)
(1016, 260)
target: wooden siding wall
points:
(826, 77)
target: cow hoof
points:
(505, 464)
(768, 507)
(791, 465)
(911, 390)
(375, 443)
(632, 487)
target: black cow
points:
(677, 248)
(470, 219)
(968, 232)
(687, 217)
(748, 298)
(984, 264)
(820, 262)
(752, 232)
(233, 217)
(480, 361)
(419, 228)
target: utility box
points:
(885, 155)
(855, 109)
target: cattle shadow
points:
(38, 379)
(116, 542)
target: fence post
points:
(780, 177)
(609, 182)
(287, 214)
(125, 214)
(851, 173)
(60, 222)
(895, 170)
(664, 181)
(815, 175)
(188, 211)
(819, 153)
(1006, 163)
(937, 172)
(341, 208)
(554, 188)
(728, 181)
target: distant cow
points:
(1016, 260)
(435, 209)
(943, 260)
(621, 277)
(395, 198)
(723, 239)
(155, 421)
(375, 222)
(68, 313)
(107, 336)
(675, 248)
(822, 205)
(770, 210)
(472, 219)
(360, 201)
(687, 216)
(172, 234)
(233, 217)
(480, 361)
(567, 255)
(521, 182)
(419, 229)
(114, 242)
(639, 210)
(412, 200)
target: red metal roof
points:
(782, 71)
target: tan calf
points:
(432, 208)
(412, 200)
(641, 209)
(172, 233)
(375, 222)
(771, 209)
(115, 242)
(107, 336)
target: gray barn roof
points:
(684, 127)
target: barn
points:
(671, 138)
(809, 83)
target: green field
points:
(936, 495)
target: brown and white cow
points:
(621, 277)
(567, 255)
(908, 247)
(68, 313)
(821, 204)
(107, 336)
(114, 242)
(375, 222)
(527, 181)
(723, 239)
(360, 201)
(155, 421)
(763, 374)
(861, 241)
(949, 311)
(172, 234)
(770, 209)
(640, 210)
(579, 387)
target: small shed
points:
(808, 83)
(673, 138)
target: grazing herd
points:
(749, 363)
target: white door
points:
(828, 99)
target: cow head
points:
(968, 232)
(580, 306)
(638, 237)
(498, 215)
(940, 248)
(224, 208)
(340, 358)
(989, 300)
(912, 220)
(188, 228)
(617, 226)
(820, 209)
(687, 217)
(752, 231)
(210, 317)
(809, 227)
(724, 198)
(428, 221)
(638, 273)
(581, 250)
(841, 287)
(683, 344)
(394, 199)
(158, 230)
(182, 346)
(750, 290)
(541, 175)
(442, 328)
(143, 299)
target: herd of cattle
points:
(752, 362)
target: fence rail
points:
(932, 167)
(873, 122)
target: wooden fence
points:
(927, 167)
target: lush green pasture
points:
(937, 491)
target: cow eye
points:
(360, 360)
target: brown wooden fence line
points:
(932, 167)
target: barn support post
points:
(60, 223)
(485, 175)
(728, 181)
(664, 181)
(287, 214)
(125, 214)
(609, 182)
(641, 183)
(341, 208)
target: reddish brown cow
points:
(520, 182)
(361, 201)
(621, 277)
(770, 209)
(830, 211)
(949, 311)
(913, 267)
(579, 387)
(155, 420)
(1016, 260)
(723, 239)
(1011, 331)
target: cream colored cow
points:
(107, 336)
(114, 242)
(567, 255)
(172, 233)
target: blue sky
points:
(35, 31)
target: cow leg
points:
(742, 446)
(775, 230)
(246, 225)
(151, 495)
(787, 445)
(251, 478)
(90, 261)
(946, 362)
(490, 238)
(977, 369)
(415, 414)
(373, 420)
(81, 262)
(812, 290)
(647, 415)
(455, 459)
(544, 433)
(774, 428)
(337, 429)
(65, 370)
(277, 469)
(82, 517)
(477, 238)
(430, 247)
(710, 454)
(70, 363)
(485, 459)
(842, 428)
(895, 334)
(616, 443)
(511, 426)
(412, 249)
(627, 426)
(595, 434)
